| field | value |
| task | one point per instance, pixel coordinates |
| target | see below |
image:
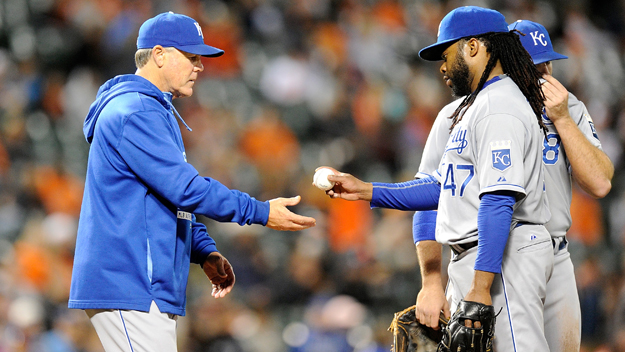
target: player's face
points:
(456, 71)
(181, 72)
(546, 68)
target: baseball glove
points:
(411, 336)
(458, 338)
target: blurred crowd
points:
(303, 83)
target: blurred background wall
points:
(303, 83)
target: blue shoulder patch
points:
(500, 152)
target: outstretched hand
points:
(220, 273)
(348, 187)
(281, 218)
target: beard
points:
(459, 77)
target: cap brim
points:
(544, 57)
(435, 51)
(201, 49)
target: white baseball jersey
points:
(558, 169)
(496, 146)
(558, 180)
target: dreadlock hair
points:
(517, 63)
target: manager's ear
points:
(158, 55)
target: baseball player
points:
(588, 164)
(489, 184)
(572, 148)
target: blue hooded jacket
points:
(137, 233)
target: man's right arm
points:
(148, 147)
(591, 167)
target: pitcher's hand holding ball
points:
(346, 186)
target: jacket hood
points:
(116, 86)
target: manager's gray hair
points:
(142, 56)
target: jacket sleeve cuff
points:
(204, 252)
(262, 213)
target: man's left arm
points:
(216, 267)
(493, 227)
(202, 244)
(591, 167)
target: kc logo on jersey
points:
(500, 151)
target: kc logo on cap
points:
(536, 41)
(536, 35)
(175, 30)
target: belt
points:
(562, 244)
(460, 248)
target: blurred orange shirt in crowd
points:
(349, 224)
(390, 14)
(225, 36)
(587, 218)
(59, 192)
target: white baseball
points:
(321, 179)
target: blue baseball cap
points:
(466, 21)
(536, 41)
(175, 30)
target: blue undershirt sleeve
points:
(493, 228)
(424, 226)
(421, 194)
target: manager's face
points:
(181, 71)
